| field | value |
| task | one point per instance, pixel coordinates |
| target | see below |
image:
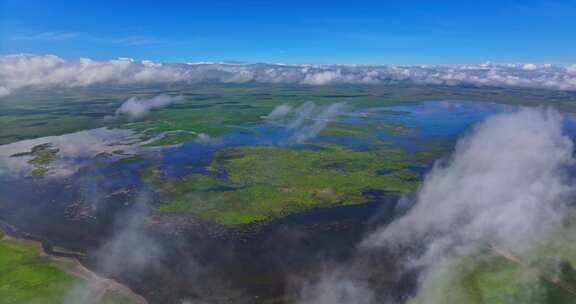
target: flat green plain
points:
(215, 108)
(28, 277)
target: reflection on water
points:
(75, 151)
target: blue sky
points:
(387, 32)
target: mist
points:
(305, 121)
(506, 185)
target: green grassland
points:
(264, 182)
(485, 277)
(27, 277)
(216, 108)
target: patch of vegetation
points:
(265, 182)
(183, 126)
(487, 278)
(27, 277)
(353, 130)
(544, 275)
(41, 157)
(172, 139)
(39, 172)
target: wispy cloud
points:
(56, 36)
(138, 107)
(47, 36)
(136, 40)
(307, 120)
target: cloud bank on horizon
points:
(49, 71)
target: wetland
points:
(245, 187)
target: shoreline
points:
(98, 285)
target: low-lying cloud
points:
(130, 249)
(136, 107)
(506, 186)
(306, 121)
(47, 71)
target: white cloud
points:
(208, 140)
(138, 107)
(321, 78)
(46, 71)
(48, 36)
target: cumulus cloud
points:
(137, 107)
(306, 121)
(506, 186)
(46, 71)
